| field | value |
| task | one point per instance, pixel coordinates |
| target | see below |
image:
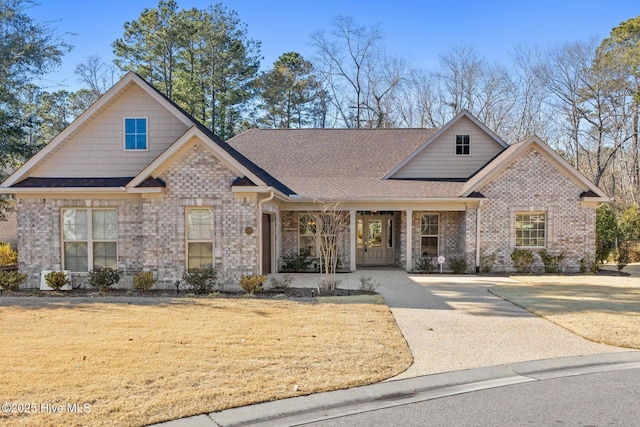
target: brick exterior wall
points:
(151, 231)
(533, 184)
(40, 242)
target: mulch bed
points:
(289, 293)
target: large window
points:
(430, 228)
(531, 229)
(135, 134)
(199, 235)
(462, 145)
(90, 239)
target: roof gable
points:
(436, 157)
(514, 152)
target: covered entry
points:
(375, 238)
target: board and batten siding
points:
(439, 159)
(97, 150)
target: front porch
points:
(384, 238)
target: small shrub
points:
(552, 264)
(487, 262)
(425, 265)
(201, 280)
(252, 284)
(623, 256)
(143, 281)
(7, 255)
(104, 278)
(522, 260)
(283, 283)
(588, 266)
(11, 280)
(57, 280)
(296, 261)
(367, 285)
(458, 265)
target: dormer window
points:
(462, 145)
(135, 133)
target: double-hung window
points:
(531, 229)
(90, 239)
(135, 133)
(199, 233)
(429, 233)
(463, 145)
(307, 235)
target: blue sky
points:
(417, 30)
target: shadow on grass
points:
(571, 298)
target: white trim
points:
(186, 233)
(409, 240)
(352, 239)
(422, 215)
(455, 145)
(90, 240)
(124, 135)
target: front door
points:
(374, 239)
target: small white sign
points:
(440, 259)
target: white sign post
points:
(440, 261)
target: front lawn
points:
(600, 308)
(136, 361)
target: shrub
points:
(487, 262)
(522, 260)
(7, 255)
(425, 265)
(458, 265)
(296, 261)
(367, 285)
(11, 280)
(104, 278)
(143, 281)
(252, 284)
(622, 257)
(552, 264)
(201, 280)
(588, 266)
(57, 280)
(283, 283)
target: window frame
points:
(146, 134)
(429, 235)
(529, 238)
(463, 143)
(187, 240)
(313, 234)
(90, 240)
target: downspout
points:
(260, 202)
(478, 237)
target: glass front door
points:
(374, 239)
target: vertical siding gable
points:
(439, 159)
(97, 150)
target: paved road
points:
(608, 398)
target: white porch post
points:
(352, 240)
(409, 239)
(478, 210)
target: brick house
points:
(136, 183)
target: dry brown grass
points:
(137, 361)
(603, 309)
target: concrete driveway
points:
(452, 322)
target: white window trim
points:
(315, 236)
(455, 145)
(430, 235)
(90, 241)
(186, 234)
(124, 135)
(546, 228)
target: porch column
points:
(478, 210)
(409, 239)
(352, 240)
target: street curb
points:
(322, 406)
